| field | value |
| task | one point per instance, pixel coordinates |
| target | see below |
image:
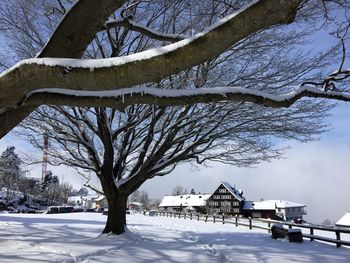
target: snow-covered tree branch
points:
(116, 73)
(154, 96)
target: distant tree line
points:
(143, 198)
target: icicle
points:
(123, 99)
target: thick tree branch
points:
(69, 40)
(71, 37)
(125, 97)
(149, 66)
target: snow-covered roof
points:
(235, 192)
(344, 221)
(136, 203)
(184, 200)
(100, 198)
(79, 198)
(270, 204)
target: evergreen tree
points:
(49, 187)
(10, 170)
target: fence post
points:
(236, 220)
(269, 226)
(337, 233)
(250, 223)
(191, 216)
(213, 218)
(179, 215)
(185, 216)
(311, 234)
(223, 219)
(197, 217)
(206, 218)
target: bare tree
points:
(65, 189)
(179, 190)
(133, 142)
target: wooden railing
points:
(266, 224)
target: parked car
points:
(153, 213)
(59, 209)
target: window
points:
(222, 191)
(226, 204)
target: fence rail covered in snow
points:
(315, 232)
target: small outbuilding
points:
(344, 221)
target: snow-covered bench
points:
(293, 235)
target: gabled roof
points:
(344, 221)
(184, 200)
(235, 192)
(270, 204)
(82, 198)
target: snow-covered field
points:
(75, 238)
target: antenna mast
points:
(44, 163)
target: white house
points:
(178, 202)
(344, 221)
(83, 201)
(284, 210)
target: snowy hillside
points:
(75, 238)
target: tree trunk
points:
(116, 219)
(117, 201)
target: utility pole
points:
(44, 163)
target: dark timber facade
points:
(225, 200)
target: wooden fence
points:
(266, 224)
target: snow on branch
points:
(71, 39)
(165, 97)
(144, 67)
(132, 25)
